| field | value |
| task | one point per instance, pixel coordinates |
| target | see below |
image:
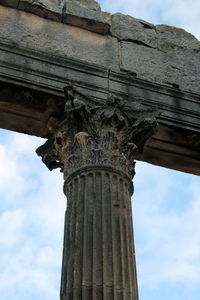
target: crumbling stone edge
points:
(86, 14)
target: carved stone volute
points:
(96, 133)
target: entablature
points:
(30, 95)
(37, 62)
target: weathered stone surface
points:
(145, 62)
(78, 14)
(174, 59)
(53, 38)
(128, 28)
(173, 38)
(178, 68)
(98, 249)
(50, 9)
(90, 4)
(108, 133)
(86, 14)
(9, 3)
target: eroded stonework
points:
(96, 133)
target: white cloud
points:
(181, 13)
(15, 165)
(168, 240)
(11, 227)
(23, 277)
(32, 211)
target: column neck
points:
(82, 171)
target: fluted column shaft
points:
(98, 255)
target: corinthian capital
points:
(98, 133)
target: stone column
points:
(98, 256)
(95, 144)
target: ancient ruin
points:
(103, 90)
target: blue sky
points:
(166, 205)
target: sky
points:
(166, 205)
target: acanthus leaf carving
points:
(95, 133)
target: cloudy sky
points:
(166, 205)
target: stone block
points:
(49, 9)
(80, 15)
(9, 3)
(128, 28)
(60, 40)
(173, 38)
(178, 69)
(90, 4)
(145, 62)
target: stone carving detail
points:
(193, 140)
(96, 133)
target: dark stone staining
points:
(28, 111)
(10, 3)
(178, 148)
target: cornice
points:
(26, 67)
